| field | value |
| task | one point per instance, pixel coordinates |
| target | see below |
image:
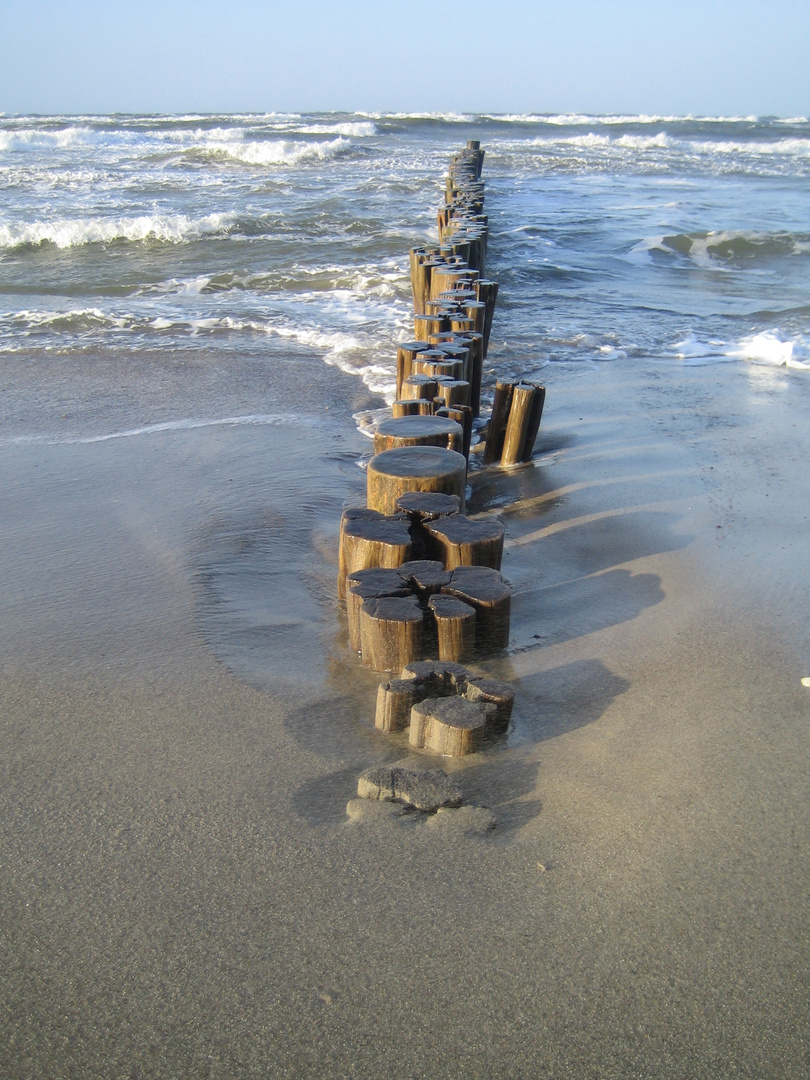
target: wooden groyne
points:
(421, 580)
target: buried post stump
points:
(451, 726)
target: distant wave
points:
(38, 138)
(67, 233)
(267, 152)
(623, 119)
(727, 247)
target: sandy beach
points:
(183, 894)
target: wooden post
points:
(370, 541)
(455, 623)
(487, 292)
(463, 541)
(425, 325)
(414, 468)
(449, 726)
(453, 392)
(497, 424)
(390, 632)
(476, 310)
(418, 431)
(462, 414)
(413, 407)
(517, 426)
(395, 699)
(516, 414)
(419, 386)
(367, 584)
(349, 515)
(406, 351)
(534, 422)
(491, 597)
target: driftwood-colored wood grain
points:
(371, 540)
(455, 625)
(491, 597)
(450, 726)
(461, 541)
(406, 351)
(395, 699)
(366, 585)
(497, 425)
(517, 424)
(414, 468)
(418, 431)
(390, 632)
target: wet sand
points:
(183, 725)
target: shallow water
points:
(668, 240)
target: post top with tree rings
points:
(377, 581)
(459, 529)
(424, 575)
(418, 430)
(414, 468)
(480, 584)
(428, 505)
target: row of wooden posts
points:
(421, 580)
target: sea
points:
(656, 240)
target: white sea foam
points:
(67, 233)
(37, 138)
(721, 250)
(764, 348)
(354, 130)
(619, 119)
(273, 151)
(347, 352)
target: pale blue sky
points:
(708, 57)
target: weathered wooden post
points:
(418, 431)
(390, 632)
(369, 539)
(414, 468)
(406, 351)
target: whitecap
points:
(75, 232)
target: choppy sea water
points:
(671, 240)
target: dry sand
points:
(181, 891)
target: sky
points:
(663, 57)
